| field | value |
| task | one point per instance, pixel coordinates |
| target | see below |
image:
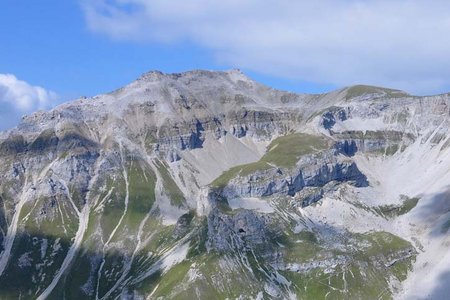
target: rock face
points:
(315, 171)
(210, 185)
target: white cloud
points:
(18, 97)
(401, 43)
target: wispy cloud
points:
(393, 43)
(18, 97)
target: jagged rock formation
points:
(210, 185)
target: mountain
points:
(209, 185)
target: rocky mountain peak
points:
(207, 184)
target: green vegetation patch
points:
(141, 197)
(382, 243)
(349, 282)
(141, 186)
(392, 211)
(172, 278)
(171, 188)
(24, 275)
(302, 251)
(282, 152)
(225, 277)
(372, 259)
(391, 149)
(361, 90)
(40, 246)
(113, 207)
(198, 241)
(285, 151)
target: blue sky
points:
(48, 43)
(74, 48)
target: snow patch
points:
(251, 203)
(217, 156)
(360, 124)
(174, 257)
(194, 273)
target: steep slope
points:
(210, 185)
